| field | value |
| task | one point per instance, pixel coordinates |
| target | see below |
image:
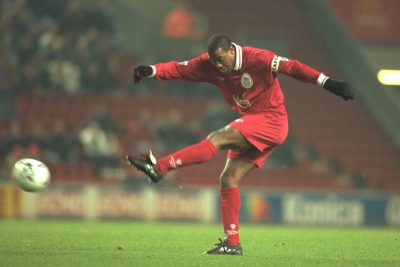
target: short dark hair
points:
(217, 41)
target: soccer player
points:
(247, 79)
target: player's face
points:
(223, 60)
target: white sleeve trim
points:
(322, 79)
(154, 71)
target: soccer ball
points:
(31, 175)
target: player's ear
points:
(232, 49)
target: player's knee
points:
(216, 138)
(223, 138)
(211, 136)
(229, 179)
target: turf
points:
(77, 243)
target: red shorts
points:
(264, 131)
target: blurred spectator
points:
(183, 22)
(92, 138)
(178, 23)
(101, 147)
(182, 29)
(64, 74)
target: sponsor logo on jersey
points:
(246, 81)
(241, 102)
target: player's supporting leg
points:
(234, 171)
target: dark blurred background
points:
(67, 97)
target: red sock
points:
(230, 206)
(197, 153)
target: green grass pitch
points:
(116, 243)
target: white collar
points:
(239, 57)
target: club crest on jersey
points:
(246, 81)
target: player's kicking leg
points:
(197, 153)
(155, 169)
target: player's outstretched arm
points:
(305, 73)
(339, 88)
(141, 72)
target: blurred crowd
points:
(58, 45)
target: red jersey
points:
(252, 87)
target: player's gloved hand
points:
(140, 72)
(339, 88)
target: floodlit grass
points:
(77, 243)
